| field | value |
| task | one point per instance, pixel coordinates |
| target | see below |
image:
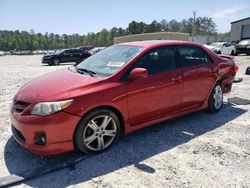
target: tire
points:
(93, 135)
(248, 53)
(215, 100)
(232, 53)
(219, 52)
(56, 62)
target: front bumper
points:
(58, 129)
(47, 61)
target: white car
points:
(222, 48)
(2, 53)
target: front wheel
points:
(56, 62)
(215, 101)
(97, 131)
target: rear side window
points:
(158, 60)
(191, 56)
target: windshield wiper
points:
(80, 70)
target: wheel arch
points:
(218, 81)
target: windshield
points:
(216, 45)
(244, 42)
(110, 60)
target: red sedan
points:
(116, 91)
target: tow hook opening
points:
(41, 139)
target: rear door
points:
(67, 56)
(77, 55)
(198, 72)
(161, 93)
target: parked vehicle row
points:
(116, 91)
(225, 48)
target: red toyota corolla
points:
(116, 91)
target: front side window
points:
(110, 60)
(191, 56)
(158, 60)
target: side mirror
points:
(138, 73)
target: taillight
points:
(235, 68)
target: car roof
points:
(158, 43)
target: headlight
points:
(46, 108)
(248, 46)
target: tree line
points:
(23, 40)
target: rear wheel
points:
(232, 53)
(215, 101)
(97, 131)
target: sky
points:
(83, 16)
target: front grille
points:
(20, 106)
(18, 134)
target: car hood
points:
(59, 85)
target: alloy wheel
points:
(218, 97)
(99, 133)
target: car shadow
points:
(131, 150)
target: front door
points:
(161, 93)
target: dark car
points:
(64, 56)
(243, 47)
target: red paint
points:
(141, 102)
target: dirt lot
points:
(198, 150)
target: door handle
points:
(177, 79)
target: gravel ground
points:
(198, 150)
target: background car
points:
(64, 56)
(223, 48)
(243, 47)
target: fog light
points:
(41, 139)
